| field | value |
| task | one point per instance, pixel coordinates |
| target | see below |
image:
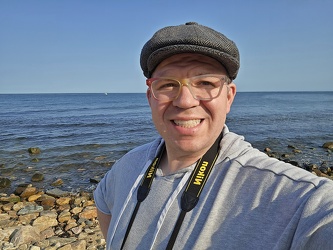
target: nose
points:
(185, 98)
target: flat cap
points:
(189, 38)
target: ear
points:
(148, 94)
(231, 94)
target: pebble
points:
(68, 222)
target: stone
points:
(34, 151)
(64, 216)
(4, 182)
(63, 200)
(70, 225)
(76, 210)
(4, 219)
(267, 150)
(328, 145)
(6, 232)
(95, 180)
(77, 230)
(57, 182)
(11, 199)
(51, 214)
(35, 197)
(27, 218)
(21, 187)
(292, 146)
(89, 213)
(47, 201)
(19, 205)
(47, 233)
(88, 203)
(29, 209)
(7, 207)
(79, 245)
(34, 248)
(44, 222)
(28, 192)
(37, 177)
(25, 235)
(56, 192)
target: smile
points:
(187, 123)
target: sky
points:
(71, 46)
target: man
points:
(200, 186)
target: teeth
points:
(188, 123)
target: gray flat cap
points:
(189, 38)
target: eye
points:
(165, 85)
(207, 83)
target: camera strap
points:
(191, 194)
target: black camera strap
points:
(191, 194)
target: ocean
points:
(82, 135)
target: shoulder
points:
(250, 160)
(138, 156)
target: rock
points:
(25, 235)
(47, 201)
(70, 223)
(37, 177)
(27, 218)
(79, 245)
(4, 182)
(11, 199)
(29, 209)
(328, 145)
(21, 187)
(4, 219)
(267, 150)
(35, 197)
(95, 180)
(63, 200)
(44, 222)
(8, 206)
(28, 192)
(7, 232)
(57, 182)
(76, 210)
(64, 216)
(34, 151)
(89, 213)
(35, 160)
(292, 146)
(56, 192)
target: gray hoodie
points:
(250, 201)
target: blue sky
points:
(68, 46)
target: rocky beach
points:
(49, 216)
(54, 219)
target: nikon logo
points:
(201, 174)
(152, 169)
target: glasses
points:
(202, 87)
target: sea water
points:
(82, 135)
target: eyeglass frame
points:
(181, 82)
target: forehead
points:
(191, 61)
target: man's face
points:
(187, 125)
